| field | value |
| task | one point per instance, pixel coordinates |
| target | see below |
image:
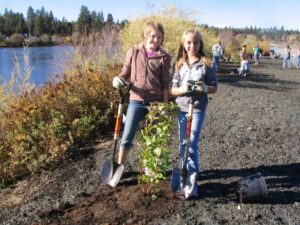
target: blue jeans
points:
(256, 58)
(136, 111)
(198, 119)
(298, 62)
(241, 72)
(286, 60)
(216, 61)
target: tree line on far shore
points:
(270, 33)
(40, 27)
(40, 22)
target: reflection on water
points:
(44, 61)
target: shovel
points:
(179, 173)
(112, 171)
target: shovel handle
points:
(124, 94)
(120, 111)
(116, 134)
(117, 126)
(188, 127)
(118, 123)
(188, 130)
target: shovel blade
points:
(111, 173)
(106, 172)
(175, 180)
(189, 185)
(116, 176)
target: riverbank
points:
(252, 125)
(19, 41)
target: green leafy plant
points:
(155, 139)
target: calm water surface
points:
(43, 61)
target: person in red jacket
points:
(146, 67)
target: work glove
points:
(201, 87)
(119, 82)
(185, 88)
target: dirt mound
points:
(252, 125)
(124, 204)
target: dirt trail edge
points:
(252, 125)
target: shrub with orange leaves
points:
(39, 126)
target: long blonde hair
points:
(182, 55)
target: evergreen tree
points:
(97, 21)
(19, 21)
(30, 20)
(122, 23)
(110, 19)
(50, 23)
(1, 26)
(64, 27)
(84, 21)
(101, 17)
(13, 22)
(40, 22)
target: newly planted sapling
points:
(155, 139)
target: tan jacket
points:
(149, 76)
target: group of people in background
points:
(217, 52)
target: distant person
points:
(272, 54)
(256, 54)
(228, 57)
(146, 66)
(243, 51)
(261, 51)
(217, 52)
(287, 57)
(244, 67)
(298, 59)
(239, 51)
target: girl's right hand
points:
(119, 82)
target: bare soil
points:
(252, 125)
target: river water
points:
(43, 62)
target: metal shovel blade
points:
(116, 176)
(111, 173)
(175, 180)
(106, 172)
(188, 184)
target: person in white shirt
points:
(217, 52)
(244, 68)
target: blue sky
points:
(235, 13)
